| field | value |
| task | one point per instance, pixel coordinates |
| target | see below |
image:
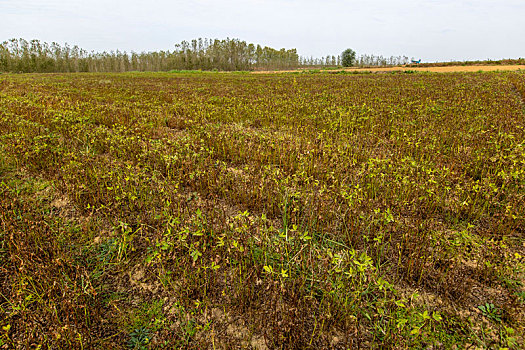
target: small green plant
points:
(139, 338)
(491, 312)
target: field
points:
(416, 68)
(449, 69)
(282, 211)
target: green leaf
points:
(414, 331)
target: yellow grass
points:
(484, 68)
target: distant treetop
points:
(348, 58)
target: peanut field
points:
(262, 211)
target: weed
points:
(491, 312)
(139, 338)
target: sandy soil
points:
(420, 69)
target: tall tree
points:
(348, 58)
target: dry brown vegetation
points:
(283, 211)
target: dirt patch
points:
(61, 202)
(137, 278)
(239, 331)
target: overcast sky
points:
(433, 30)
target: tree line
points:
(19, 55)
(374, 61)
(359, 61)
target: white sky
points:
(432, 30)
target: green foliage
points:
(139, 339)
(348, 58)
(490, 311)
(19, 55)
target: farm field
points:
(435, 69)
(264, 211)
(448, 69)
